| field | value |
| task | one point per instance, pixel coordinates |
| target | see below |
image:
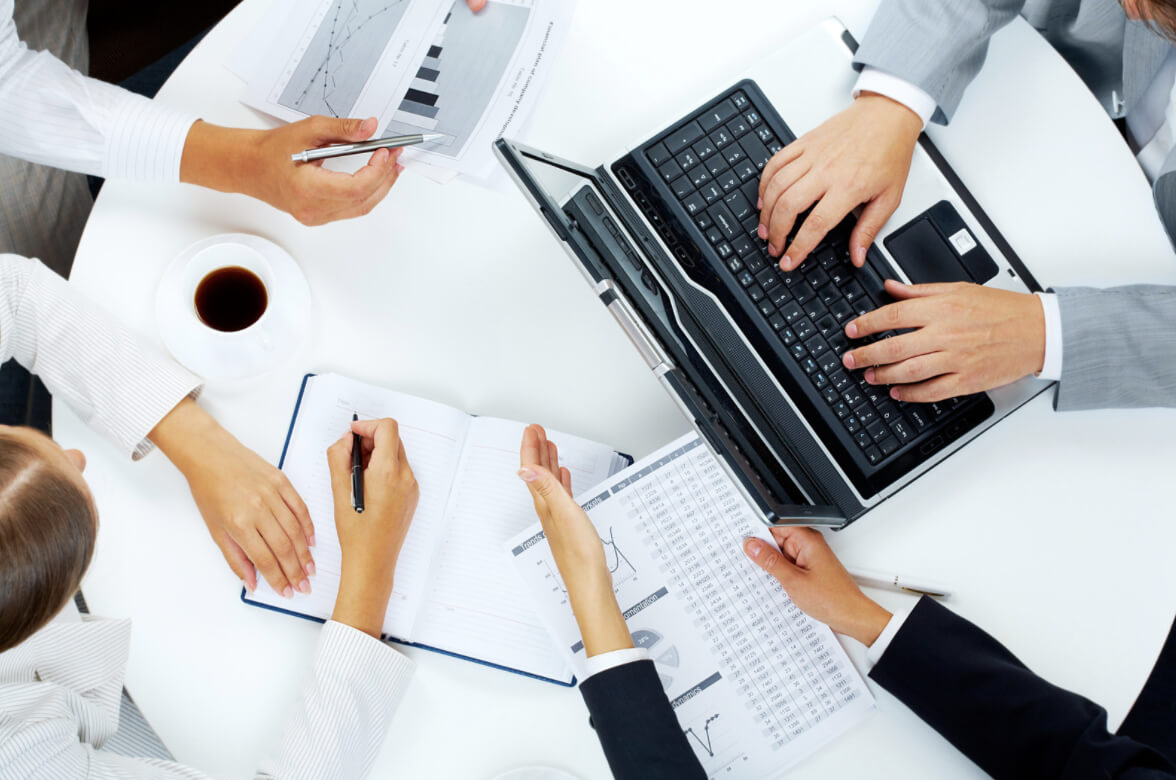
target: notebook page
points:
(756, 684)
(433, 435)
(477, 605)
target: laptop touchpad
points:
(936, 246)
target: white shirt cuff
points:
(874, 652)
(897, 89)
(146, 141)
(605, 661)
(1051, 366)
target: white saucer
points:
(217, 355)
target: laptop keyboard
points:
(712, 165)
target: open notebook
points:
(469, 601)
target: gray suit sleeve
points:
(1118, 347)
(938, 45)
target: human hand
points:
(817, 582)
(252, 511)
(371, 542)
(967, 338)
(476, 5)
(577, 549)
(861, 155)
(257, 163)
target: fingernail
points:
(245, 584)
(527, 475)
(752, 547)
(311, 542)
(761, 231)
(861, 255)
(304, 587)
(772, 250)
(310, 569)
(787, 262)
(848, 360)
(759, 204)
(894, 394)
(851, 330)
(287, 592)
(870, 375)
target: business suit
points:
(636, 725)
(939, 46)
(1012, 723)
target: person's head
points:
(1160, 15)
(48, 525)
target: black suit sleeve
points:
(637, 726)
(973, 691)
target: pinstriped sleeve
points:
(116, 384)
(337, 729)
(55, 116)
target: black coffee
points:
(230, 299)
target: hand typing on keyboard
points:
(862, 155)
(965, 339)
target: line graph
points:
(703, 741)
(340, 57)
(619, 566)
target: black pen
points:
(356, 469)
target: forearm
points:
(119, 386)
(221, 158)
(983, 700)
(602, 626)
(336, 729)
(936, 46)
(1118, 347)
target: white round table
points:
(1053, 529)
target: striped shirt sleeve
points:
(119, 386)
(340, 723)
(52, 115)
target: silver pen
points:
(342, 150)
(880, 579)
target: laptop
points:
(665, 236)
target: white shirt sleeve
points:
(119, 386)
(897, 89)
(1051, 366)
(605, 661)
(874, 652)
(52, 115)
(338, 727)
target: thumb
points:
(869, 225)
(771, 560)
(541, 482)
(332, 129)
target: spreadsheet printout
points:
(756, 684)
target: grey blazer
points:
(1118, 345)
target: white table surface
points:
(1054, 529)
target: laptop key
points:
(687, 159)
(702, 220)
(746, 279)
(829, 362)
(902, 431)
(742, 245)
(718, 115)
(736, 266)
(798, 351)
(753, 118)
(699, 175)
(755, 262)
(830, 395)
(841, 311)
(803, 292)
(817, 346)
(827, 325)
(888, 411)
(683, 137)
(765, 134)
(739, 127)
(877, 430)
(756, 151)
(840, 408)
(816, 276)
(774, 319)
(815, 309)
(863, 439)
(657, 154)
(788, 336)
(721, 138)
(918, 416)
(839, 344)
(851, 424)
(716, 165)
(728, 181)
(695, 204)
(888, 444)
(792, 312)
(841, 381)
(713, 234)
(682, 187)
(711, 192)
(745, 170)
(740, 100)
(704, 148)
(670, 170)
(804, 328)
(725, 220)
(755, 293)
(854, 398)
(852, 291)
(739, 206)
(865, 413)
(809, 365)
(733, 153)
(874, 455)
(819, 380)
(724, 249)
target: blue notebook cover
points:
(385, 637)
